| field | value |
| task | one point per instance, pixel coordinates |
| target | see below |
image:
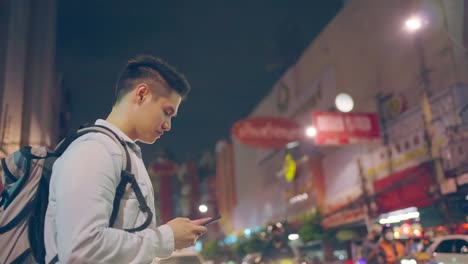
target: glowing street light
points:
(344, 102)
(203, 208)
(311, 131)
(413, 24)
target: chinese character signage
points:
(266, 132)
(336, 128)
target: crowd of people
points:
(381, 247)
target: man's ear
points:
(142, 92)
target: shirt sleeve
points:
(84, 182)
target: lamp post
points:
(414, 25)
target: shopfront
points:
(408, 188)
(403, 173)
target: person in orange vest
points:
(390, 250)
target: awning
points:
(407, 188)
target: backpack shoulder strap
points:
(126, 175)
(65, 143)
(126, 178)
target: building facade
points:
(181, 188)
(32, 110)
(366, 52)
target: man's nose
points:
(166, 126)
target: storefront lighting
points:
(398, 218)
(408, 261)
(311, 131)
(247, 232)
(230, 239)
(396, 234)
(198, 246)
(292, 145)
(293, 237)
(405, 229)
(400, 215)
(298, 198)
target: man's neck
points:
(118, 118)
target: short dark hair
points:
(152, 68)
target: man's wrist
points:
(166, 239)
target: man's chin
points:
(149, 141)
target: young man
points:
(84, 179)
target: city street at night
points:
(247, 132)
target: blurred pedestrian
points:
(389, 250)
(370, 244)
(416, 245)
(277, 248)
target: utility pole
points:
(366, 197)
(429, 135)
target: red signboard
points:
(336, 128)
(166, 168)
(408, 188)
(165, 201)
(266, 132)
(343, 217)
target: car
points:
(450, 249)
(182, 257)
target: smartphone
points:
(216, 218)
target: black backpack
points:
(24, 199)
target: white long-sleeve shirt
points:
(82, 190)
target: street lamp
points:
(414, 23)
(311, 131)
(203, 208)
(344, 102)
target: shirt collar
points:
(120, 133)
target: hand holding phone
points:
(213, 219)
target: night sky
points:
(232, 52)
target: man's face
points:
(388, 235)
(154, 115)
(276, 235)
